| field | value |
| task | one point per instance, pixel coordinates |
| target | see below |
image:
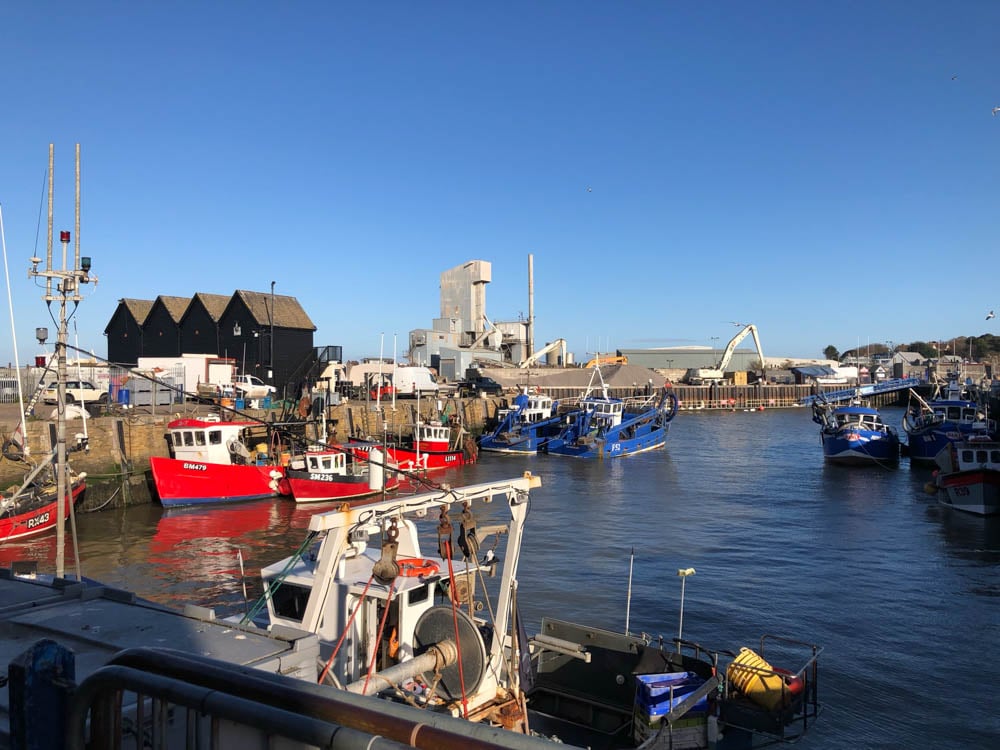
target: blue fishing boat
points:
(529, 422)
(952, 418)
(606, 427)
(855, 434)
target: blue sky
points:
(827, 171)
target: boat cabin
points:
(859, 419)
(433, 437)
(603, 412)
(210, 440)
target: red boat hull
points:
(408, 459)
(306, 490)
(39, 518)
(181, 482)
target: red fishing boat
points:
(213, 461)
(333, 474)
(429, 448)
(33, 509)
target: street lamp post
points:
(270, 356)
(683, 573)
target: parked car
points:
(77, 391)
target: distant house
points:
(161, 331)
(124, 331)
(269, 335)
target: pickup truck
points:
(476, 384)
(252, 387)
(243, 386)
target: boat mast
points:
(67, 289)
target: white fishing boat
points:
(441, 629)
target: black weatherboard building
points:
(269, 335)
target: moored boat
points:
(430, 447)
(968, 476)
(933, 425)
(442, 630)
(855, 434)
(329, 473)
(214, 460)
(606, 427)
(33, 508)
(527, 424)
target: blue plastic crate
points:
(653, 692)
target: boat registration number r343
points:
(195, 467)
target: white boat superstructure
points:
(395, 617)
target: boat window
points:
(215, 437)
(968, 415)
(418, 594)
(995, 457)
(289, 600)
(954, 412)
(199, 438)
(967, 455)
(980, 457)
(188, 438)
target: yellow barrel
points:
(756, 679)
(226, 402)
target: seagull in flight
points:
(990, 315)
(995, 110)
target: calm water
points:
(903, 594)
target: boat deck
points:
(96, 623)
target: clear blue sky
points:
(826, 170)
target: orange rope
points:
(347, 627)
(454, 617)
(381, 630)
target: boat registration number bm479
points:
(195, 467)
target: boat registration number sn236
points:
(38, 520)
(195, 467)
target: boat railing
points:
(166, 698)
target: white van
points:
(414, 381)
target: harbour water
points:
(903, 594)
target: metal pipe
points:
(437, 657)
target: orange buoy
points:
(415, 567)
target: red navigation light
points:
(64, 236)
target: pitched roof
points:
(288, 313)
(175, 306)
(214, 304)
(137, 308)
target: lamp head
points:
(685, 572)
(41, 334)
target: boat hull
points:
(180, 482)
(410, 459)
(862, 447)
(37, 515)
(924, 445)
(611, 446)
(973, 491)
(307, 488)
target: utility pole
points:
(66, 284)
